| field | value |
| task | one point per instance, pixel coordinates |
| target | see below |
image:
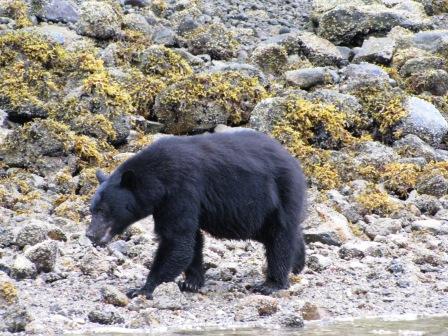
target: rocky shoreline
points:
(358, 90)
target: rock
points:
(16, 318)
(421, 64)
(396, 266)
(169, 296)
(434, 81)
(411, 145)
(433, 185)
(8, 291)
(375, 50)
(164, 36)
(348, 23)
(424, 120)
(213, 39)
(23, 268)
(318, 262)
(138, 23)
(6, 236)
(381, 226)
(93, 263)
(266, 114)
(360, 249)
(355, 74)
(65, 11)
(310, 312)
(43, 255)
(326, 226)
(253, 306)
(105, 316)
(271, 58)
(319, 51)
(99, 20)
(308, 77)
(113, 296)
(246, 69)
(433, 226)
(199, 103)
(137, 3)
(374, 153)
(33, 232)
(61, 35)
(291, 320)
(427, 204)
(433, 41)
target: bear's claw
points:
(186, 286)
(267, 288)
(139, 291)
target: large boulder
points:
(99, 19)
(349, 22)
(57, 10)
(424, 120)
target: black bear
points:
(241, 185)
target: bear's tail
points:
(299, 256)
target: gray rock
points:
(411, 145)
(6, 236)
(348, 24)
(138, 23)
(360, 249)
(318, 50)
(308, 77)
(381, 226)
(432, 40)
(291, 320)
(376, 50)
(435, 185)
(427, 204)
(137, 3)
(436, 227)
(61, 35)
(326, 226)
(93, 263)
(362, 73)
(422, 64)
(424, 120)
(271, 58)
(99, 20)
(318, 262)
(246, 69)
(106, 316)
(374, 153)
(113, 296)
(165, 36)
(16, 318)
(266, 114)
(43, 255)
(65, 11)
(33, 232)
(23, 268)
(214, 39)
(169, 296)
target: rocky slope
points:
(358, 90)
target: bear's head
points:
(113, 207)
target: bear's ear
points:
(128, 180)
(101, 176)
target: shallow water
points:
(434, 326)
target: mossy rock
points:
(202, 101)
(213, 39)
(271, 58)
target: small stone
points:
(381, 226)
(290, 320)
(43, 255)
(435, 185)
(57, 10)
(93, 263)
(113, 296)
(23, 268)
(168, 296)
(8, 291)
(424, 120)
(310, 312)
(16, 318)
(376, 50)
(318, 262)
(360, 249)
(271, 58)
(395, 266)
(105, 316)
(427, 204)
(434, 226)
(33, 232)
(98, 19)
(308, 77)
(253, 306)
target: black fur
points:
(241, 185)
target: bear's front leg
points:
(173, 256)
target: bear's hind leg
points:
(194, 274)
(299, 256)
(279, 253)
